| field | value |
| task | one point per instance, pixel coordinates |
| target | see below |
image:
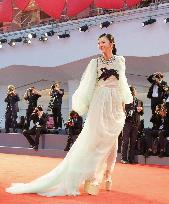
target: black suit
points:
(158, 133)
(161, 93)
(163, 134)
(32, 99)
(152, 134)
(167, 103)
(74, 126)
(11, 111)
(38, 128)
(130, 130)
(55, 104)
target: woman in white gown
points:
(102, 93)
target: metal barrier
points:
(33, 19)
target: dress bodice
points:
(107, 72)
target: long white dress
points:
(96, 147)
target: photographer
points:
(130, 131)
(157, 90)
(55, 104)
(39, 119)
(31, 95)
(164, 132)
(157, 135)
(12, 108)
(74, 126)
(167, 100)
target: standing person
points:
(164, 132)
(167, 100)
(157, 90)
(31, 95)
(130, 131)
(159, 131)
(55, 104)
(74, 126)
(102, 93)
(11, 99)
(39, 119)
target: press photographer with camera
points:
(133, 112)
(157, 90)
(11, 99)
(74, 127)
(156, 137)
(31, 96)
(167, 100)
(56, 94)
(39, 119)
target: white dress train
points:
(96, 147)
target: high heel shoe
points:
(108, 181)
(86, 185)
(90, 187)
(108, 185)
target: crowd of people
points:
(135, 139)
(154, 140)
(31, 96)
(157, 137)
(34, 113)
(41, 121)
(131, 128)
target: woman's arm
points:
(125, 90)
(82, 97)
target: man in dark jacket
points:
(156, 136)
(31, 95)
(11, 99)
(74, 126)
(167, 100)
(130, 131)
(55, 104)
(39, 119)
(157, 90)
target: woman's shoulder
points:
(120, 58)
(92, 65)
(93, 62)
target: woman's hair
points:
(111, 40)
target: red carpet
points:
(132, 184)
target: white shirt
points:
(167, 99)
(155, 91)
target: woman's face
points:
(105, 45)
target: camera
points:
(37, 109)
(29, 91)
(157, 75)
(161, 110)
(52, 87)
(11, 90)
(69, 123)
